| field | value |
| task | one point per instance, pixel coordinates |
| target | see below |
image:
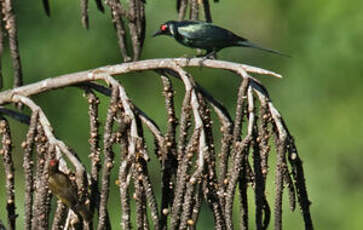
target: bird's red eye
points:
(163, 27)
(53, 163)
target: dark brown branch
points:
(2, 226)
(168, 151)
(150, 196)
(124, 178)
(117, 13)
(84, 13)
(171, 117)
(181, 8)
(194, 10)
(5, 152)
(210, 185)
(94, 140)
(243, 186)
(46, 7)
(242, 92)
(49, 136)
(28, 146)
(279, 182)
(23, 118)
(182, 178)
(59, 216)
(264, 149)
(154, 129)
(100, 6)
(109, 155)
(295, 161)
(10, 26)
(299, 178)
(259, 181)
(291, 188)
(125, 170)
(203, 151)
(42, 200)
(184, 153)
(226, 129)
(238, 168)
(207, 14)
(136, 26)
(1, 51)
(196, 208)
(139, 200)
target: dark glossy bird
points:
(62, 187)
(205, 36)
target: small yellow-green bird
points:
(62, 187)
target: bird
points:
(207, 36)
(62, 187)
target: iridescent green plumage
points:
(207, 36)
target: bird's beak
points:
(157, 33)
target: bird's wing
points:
(63, 189)
(207, 32)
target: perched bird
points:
(62, 187)
(205, 36)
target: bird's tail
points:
(83, 211)
(252, 45)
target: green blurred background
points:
(320, 96)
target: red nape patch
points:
(163, 27)
(52, 163)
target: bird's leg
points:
(211, 54)
(188, 57)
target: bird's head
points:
(53, 165)
(166, 28)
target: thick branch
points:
(97, 74)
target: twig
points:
(100, 6)
(23, 118)
(84, 17)
(194, 10)
(59, 216)
(28, 146)
(1, 51)
(48, 132)
(124, 178)
(117, 20)
(168, 151)
(181, 8)
(182, 178)
(94, 155)
(5, 151)
(46, 7)
(210, 184)
(153, 127)
(202, 142)
(10, 26)
(207, 14)
(239, 166)
(296, 163)
(299, 178)
(109, 155)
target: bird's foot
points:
(210, 55)
(188, 57)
